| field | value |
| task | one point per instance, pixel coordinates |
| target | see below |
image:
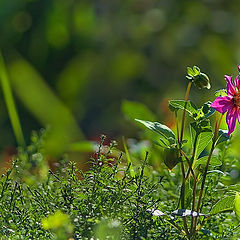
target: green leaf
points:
(222, 136)
(221, 93)
(201, 135)
(137, 110)
(203, 160)
(175, 105)
(237, 206)
(235, 187)
(190, 72)
(161, 129)
(196, 70)
(206, 111)
(223, 205)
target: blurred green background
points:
(72, 63)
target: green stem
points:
(184, 111)
(217, 125)
(182, 196)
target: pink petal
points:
(231, 119)
(223, 104)
(236, 81)
(231, 90)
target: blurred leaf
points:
(45, 106)
(137, 110)
(175, 105)
(83, 146)
(223, 205)
(75, 78)
(57, 30)
(58, 219)
(237, 206)
(126, 65)
(59, 223)
(84, 19)
(161, 129)
(108, 229)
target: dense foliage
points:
(112, 200)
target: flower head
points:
(230, 103)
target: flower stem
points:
(217, 125)
(184, 111)
(182, 194)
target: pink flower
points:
(230, 103)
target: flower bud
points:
(171, 157)
(201, 81)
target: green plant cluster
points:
(107, 202)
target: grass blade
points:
(11, 107)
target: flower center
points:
(236, 99)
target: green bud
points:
(171, 157)
(201, 81)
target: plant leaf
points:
(235, 187)
(196, 70)
(190, 72)
(223, 205)
(161, 129)
(221, 93)
(237, 206)
(201, 135)
(222, 136)
(175, 105)
(203, 160)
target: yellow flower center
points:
(236, 99)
